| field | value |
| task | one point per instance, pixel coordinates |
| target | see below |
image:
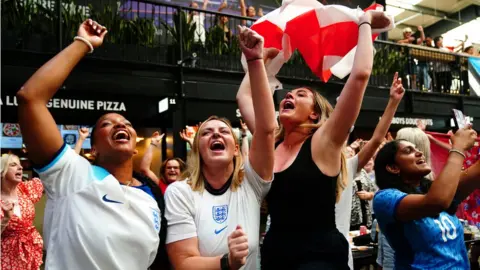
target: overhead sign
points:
(74, 104)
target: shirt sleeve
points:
(179, 211)
(353, 165)
(65, 174)
(385, 204)
(33, 189)
(260, 186)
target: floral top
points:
(367, 185)
(22, 244)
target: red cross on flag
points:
(326, 36)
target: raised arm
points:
(205, 4)
(436, 141)
(244, 94)
(443, 189)
(245, 146)
(222, 6)
(82, 136)
(396, 94)
(148, 156)
(334, 132)
(39, 129)
(263, 140)
(422, 35)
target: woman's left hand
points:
(251, 43)
(365, 195)
(397, 91)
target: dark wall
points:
(199, 94)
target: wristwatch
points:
(224, 265)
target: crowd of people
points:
(433, 74)
(205, 213)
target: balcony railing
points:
(159, 33)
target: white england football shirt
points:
(213, 218)
(343, 209)
(93, 222)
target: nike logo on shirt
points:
(219, 231)
(105, 199)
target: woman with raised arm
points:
(417, 215)
(214, 215)
(308, 160)
(99, 216)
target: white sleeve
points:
(260, 186)
(352, 165)
(179, 211)
(67, 173)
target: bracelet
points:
(364, 23)
(154, 144)
(84, 40)
(457, 151)
(254, 59)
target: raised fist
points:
(251, 43)
(93, 32)
(83, 133)
(238, 248)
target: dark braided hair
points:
(386, 179)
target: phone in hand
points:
(460, 120)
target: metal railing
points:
(159, 33)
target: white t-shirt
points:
(213, 218)
(93, 222)
(343, 209)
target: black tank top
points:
(301, 203)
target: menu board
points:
(11, 136)
(70, 135)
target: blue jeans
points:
(385, 255)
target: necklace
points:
(129, 183)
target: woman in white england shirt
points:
(214, 215)
(91, 209)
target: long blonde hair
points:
(5, 162)
(421, 142)
(194, 162)
(324, 109)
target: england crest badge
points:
(220, 213)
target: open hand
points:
(251, 43)
(185, 137)
(396, 90)
(93, 32)
(238, 248)
(157, 138)
(421, 125)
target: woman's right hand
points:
(377, 19)
(464, 138)
(237, 248)
(7, 208)
(93, 32)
